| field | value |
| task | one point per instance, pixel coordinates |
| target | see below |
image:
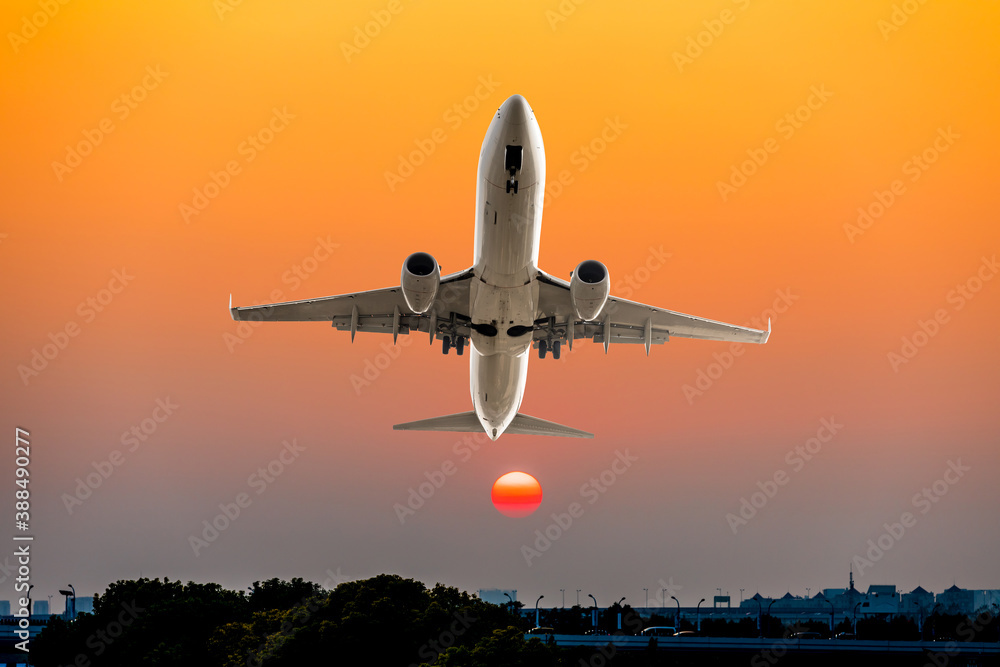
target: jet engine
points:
(589, 289)
(420, 279)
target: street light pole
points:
(769, 612)
(593, 614)
(760, 633)
(578, 596)
(698, 616)
(510, 603)
(831, 616)
(536, 610)
(677, 617)
(741, 596)
(646, 591)
(563, 591)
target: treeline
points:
(385, 620)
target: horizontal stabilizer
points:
(462, 422)
(525, 425)
(468, 422)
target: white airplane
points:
(504, 304)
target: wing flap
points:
(629, 319)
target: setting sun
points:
(517, 494)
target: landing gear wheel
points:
(543, 346)
(555, 349)
(459, 346)
(445, 345)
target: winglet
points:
(768, 334)
(233, 312)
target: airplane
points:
(503, 305)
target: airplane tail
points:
(468, 422)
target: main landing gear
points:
(447, 344)
(543, 347)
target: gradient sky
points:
(313, 213)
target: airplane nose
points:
(515, 110)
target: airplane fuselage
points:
(503, 296)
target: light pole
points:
(593, 614)
(677, 617)
(741, 596)
(536, 610)
(698, 616)
(70, 601)
(807, 591)
(619, 603)
(759, 610)
(578, 596)
(510, 603)
(768, 615)
(563, 591)
(663, 597)
(30, 586)
(856, 619)
(831, 615)
(646, 591)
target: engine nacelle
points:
(589, 289)
(420, 280)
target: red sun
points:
(517, 494)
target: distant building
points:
(917, 602)
(41, 608)
(4, 608)
(956, 600)
(985, 598)
(85, 605)
(497, 595)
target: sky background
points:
(350, 112)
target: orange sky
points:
(162, 96)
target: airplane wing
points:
(624, 321)
(382, 310)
